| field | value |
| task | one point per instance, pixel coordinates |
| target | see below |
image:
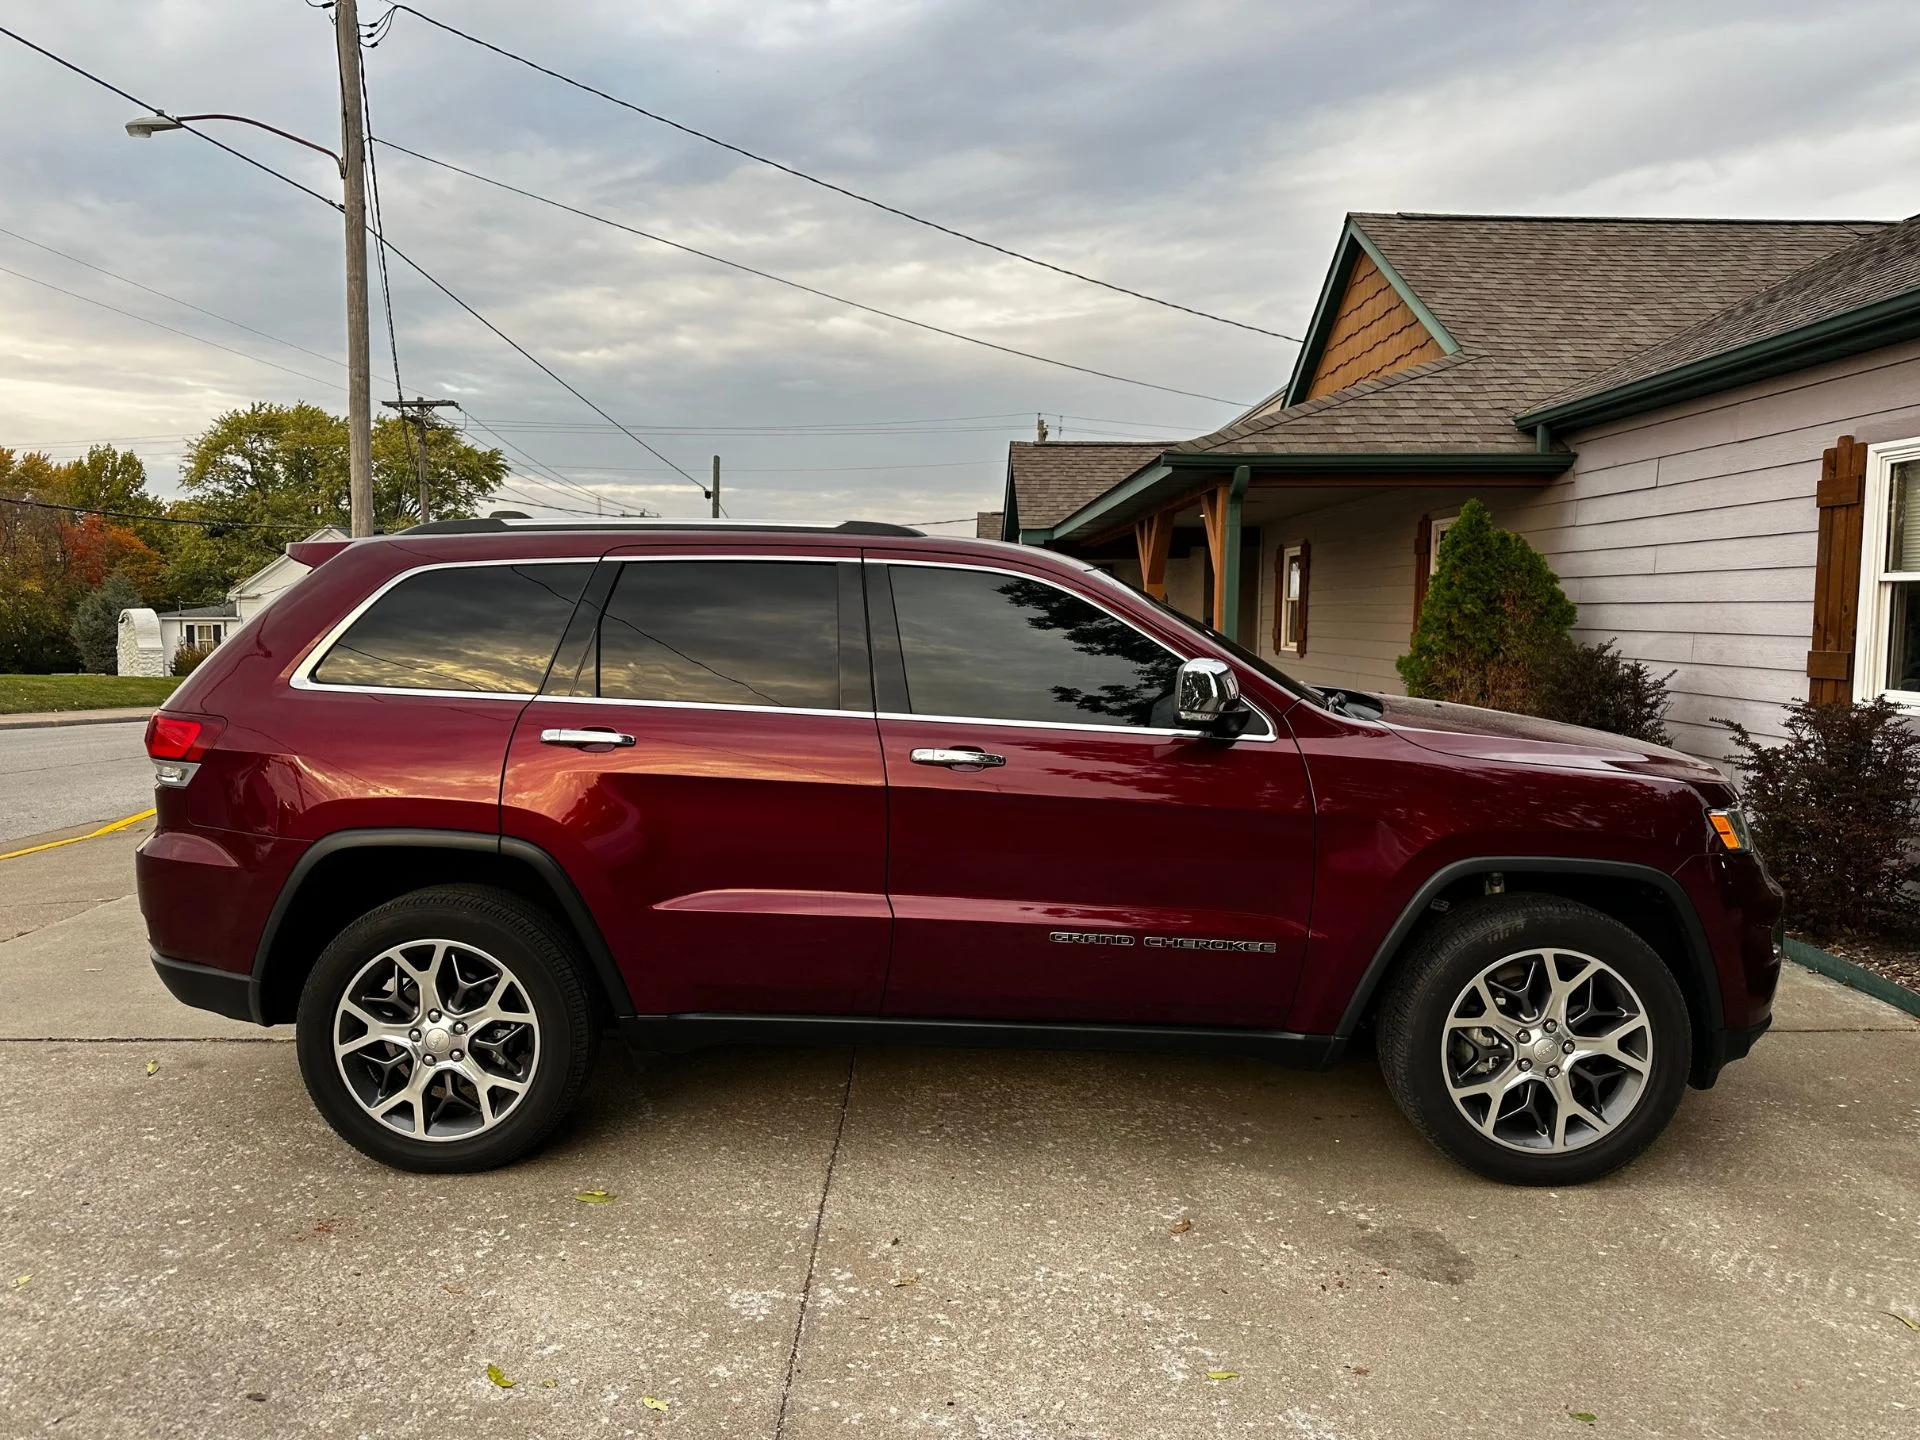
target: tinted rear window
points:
(726, 632)
(490, 628)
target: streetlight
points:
(353, 179)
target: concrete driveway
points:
(900, 1243)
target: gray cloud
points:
(1203, 151)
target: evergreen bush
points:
(96, 623)
(1495, 618)
(187, 658)
(1596, 686)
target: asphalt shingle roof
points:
(1054, 479)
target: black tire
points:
(515, 935)
(1449, 957)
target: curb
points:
(1852, 975)
(40, 719)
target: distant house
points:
(1710, 428)
(212, 624)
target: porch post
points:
(1153, 538)
(1220, 510)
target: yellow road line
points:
(94, 835)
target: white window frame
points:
(1288, 555)
(1435, 530)
(1874, 624)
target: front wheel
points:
(447, 1030)
(1536, 1040)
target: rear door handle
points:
(584, 737)
(959, 755)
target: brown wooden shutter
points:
(1836, 576)
(1422, 564)
(1306, 573)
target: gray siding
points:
(1687, 535)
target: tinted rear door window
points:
(488, 628)
(992, 646)
(723, 632)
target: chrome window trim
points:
(1273, 730)
(302, 677)
(699, 705)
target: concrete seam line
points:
(1847, 973)
(813, 1253)
(75, 840)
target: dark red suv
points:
(468, 795)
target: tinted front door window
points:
(471, 627)
(1003, 647)
(727, 632)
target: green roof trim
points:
(1885, 322)
(1175, 470)
(1353, 242)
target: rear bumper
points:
(205, 988)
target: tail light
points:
(176, 744)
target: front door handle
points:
(584, 737)
(958, 756)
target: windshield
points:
(1233, 647)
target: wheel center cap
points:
(1546, 1050)
(436, 1042)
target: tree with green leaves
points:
(96, 623)
(285, 466)
(1494, 620)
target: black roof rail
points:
(510, 522)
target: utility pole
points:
(353, 174)
(415, 412)
(714, 493)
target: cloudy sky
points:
(1199, 150)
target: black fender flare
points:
(1699, 952)
(575, 912)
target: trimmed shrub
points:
(1836, 814)
(33, 635)
(96, 623)
(1494, 618)
(187, 658)
(1596, 686)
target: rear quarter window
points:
(485, 628)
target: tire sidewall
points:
(1480, 940)
(422, 917)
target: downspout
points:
(1230, 554)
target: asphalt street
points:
(902, 1243)
(57, 776)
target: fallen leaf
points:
(499, 1377)
(257, 1396)
(153, 1067)
(903, 1280)
(1911, 1324)
(1359, 1369)
(20, 1280)
(653, 1404)
(1181, 1226)
(454, 1289)
(1585, 1417)
(594, 1197)
(549, 1384)
(1223, 1374)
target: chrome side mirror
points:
(1206, 694)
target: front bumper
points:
(205, 988)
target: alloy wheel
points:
(1546, 1050)
(436, 1039)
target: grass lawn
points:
(24, 693)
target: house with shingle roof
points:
(1711, 428)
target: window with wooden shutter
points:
(1836, 577)
(1886, 655)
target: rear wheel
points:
(1536, 1041)
(447, 1030)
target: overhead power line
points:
(153, 519)
(338, 208)
(792, 284)
(797, 174)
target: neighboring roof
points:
(250, 585)
(988, 524)
(1047, 481)
(1859, 297)
(223, 611)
